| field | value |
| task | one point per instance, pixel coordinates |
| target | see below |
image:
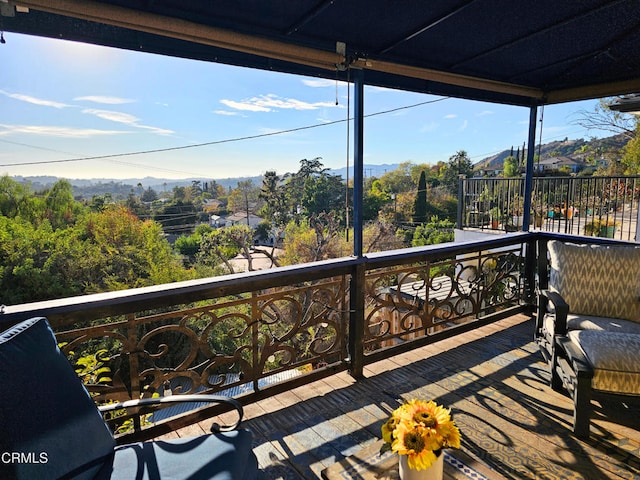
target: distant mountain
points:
(369, 170)
(120, 188)
(578, 149)
(575, 149)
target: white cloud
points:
(450, 116)
(34, 100)
(156, 130)
(464, 126)
(104, 99)
(244, 105)
(226, 112)
(484, 113)
(127, 119)
(112, 116)
(267, 103)
(63, 132)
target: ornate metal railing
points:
(226, 343)
(591, 206)
(418, 299)
(256, 334)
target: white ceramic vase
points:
(434, 472)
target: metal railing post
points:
(357, 292)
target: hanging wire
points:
(346, 194)
(540, 137)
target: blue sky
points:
(61, 101)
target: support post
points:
(358, 166)
(357, 292)
(528, 175)
(357, 289)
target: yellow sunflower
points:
(420, 430)
(388, 427)
(428, 413)
(417, 443)
(450, 434)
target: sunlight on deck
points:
(496, 383)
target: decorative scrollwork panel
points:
(414, 300)
(216, 345)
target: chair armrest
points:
(169, 399)
(560, 307)
(581, 365)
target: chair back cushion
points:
(49, 425)
(597, 280)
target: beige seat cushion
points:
(597, 280)
(614, 358)
(589, 322)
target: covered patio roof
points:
(516, 52)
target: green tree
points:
(433, 232)
(631, 154)
(223, 244)
(295, 182)
(179, 217)
(106, 250)
(420, 204)
(373, 203)
(324, 193)
(399, 180)
(244, 198)
(459, 165)
(313, 239)
(149, 195)
(510, 167)
(273, 193)
(59, 204)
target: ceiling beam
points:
(197, 33)
(184, 30)
(309, 16)
(449, 78)
(593, 91)
(430, 25)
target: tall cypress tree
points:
(420, 203)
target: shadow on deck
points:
(496, 384)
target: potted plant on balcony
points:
(601, 227)
(496, 217)
(517, 209)
(537, 216)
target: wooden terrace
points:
(497, 385)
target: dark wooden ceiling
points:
(508, 51)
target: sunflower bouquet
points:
(420, 430)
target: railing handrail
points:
(99, 305)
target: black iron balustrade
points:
(257, 334)
(591, 206)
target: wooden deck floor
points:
(494, 380)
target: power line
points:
(215, 142)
